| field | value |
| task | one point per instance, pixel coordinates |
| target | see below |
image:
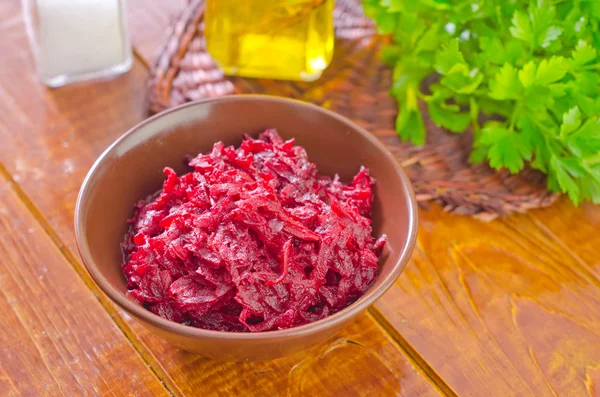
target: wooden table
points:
(507, 308)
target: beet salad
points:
(253, 239)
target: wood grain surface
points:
(493, 309)
(447, 304)
(56, 339)
(509, 308)
(499, 308)
(48, 141)
(360, 361)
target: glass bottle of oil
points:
(278, 39)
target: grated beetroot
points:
(253, 239)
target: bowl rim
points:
(184, 330)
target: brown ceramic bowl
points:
(131, 168)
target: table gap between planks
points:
(500, 309)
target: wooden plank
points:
(360, 361)
(49, 139)
(485, 306)
(498, 308)
(57, 339)
(580, 239)
(481, 302)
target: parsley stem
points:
(548, 135)
(589, 171)
(591, 161)
(516, 114)
(591, 67)
(499, 18)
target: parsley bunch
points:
(523, 74)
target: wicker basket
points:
(356, 85)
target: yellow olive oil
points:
(277, 39)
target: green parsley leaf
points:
(429, 40)
(413, 29)
(409, 122)
(391, 54)
(552, 70)
(571, 121)
(492, 50)
(462, 82)
(585, 141)
(439, 4)
(535, 140)
(410, 126)
(590, 189)
(448, 117)
(583, 53)
(530, 66)
(550, 35)
(544, 33)
(565, 180)
(587, 83)
(522, 28)
(527, 74)
(448, 57)
(393, 5)
(506, 148)
(386, 23)
(506, 84)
